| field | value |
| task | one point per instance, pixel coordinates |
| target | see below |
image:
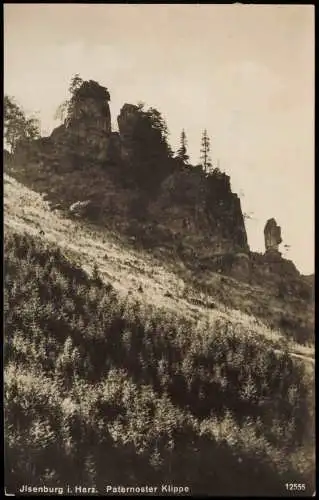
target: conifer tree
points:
(182, 151)
(205, 150)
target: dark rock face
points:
(241, 267)
(91, 114)
(126, 121)
(235, 222)
(115, 147)
(193, 206)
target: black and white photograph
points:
(158, 198)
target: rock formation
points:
(79, 208)
(179, 204)
(88, 209)
(91, 110)
(87, 129)
(272, 234)
(209, 208)
(126, 121)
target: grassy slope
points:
(100, 386)
(130, 270)
(281, 302)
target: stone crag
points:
(207, 211)
(126, 121)
(87, 130)
(272, 233)
(190, 211)
(189, 206)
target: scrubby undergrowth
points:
(99, 390)
(281, 299)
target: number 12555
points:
(295, 486)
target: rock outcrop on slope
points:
(141, 190)
(126, 123)
(272, 233)
(87, 129)
(206, 210)
(129, 182)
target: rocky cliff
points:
(204, 210)
(167, 204)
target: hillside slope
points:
(188, 216)
(133, 272)
(117, 371)
(269, 289)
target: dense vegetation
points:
(18, 128)
(100, 390)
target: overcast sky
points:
(244, 72)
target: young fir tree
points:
(182, 151)
(205, 150)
